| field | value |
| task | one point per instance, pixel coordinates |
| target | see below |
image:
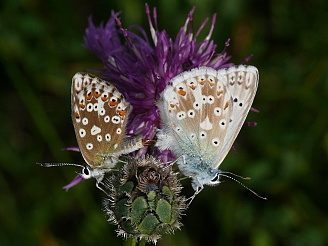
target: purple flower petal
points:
(141, 68)
(78, 179)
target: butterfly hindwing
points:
(99, 114)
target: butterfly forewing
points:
(242, 82)
(194, 108)
(99, 114)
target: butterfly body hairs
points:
(99, 114)
(202, 112)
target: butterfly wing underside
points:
(242, 82)
(199, 116)
(194, 108)
(99, 115)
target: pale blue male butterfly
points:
(202, 112)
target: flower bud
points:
(144, 200)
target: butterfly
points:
(99, 114)
(202, 112)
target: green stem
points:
(142, 242)
(133, 242)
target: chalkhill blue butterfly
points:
(202, 112)
(99, 114)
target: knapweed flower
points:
(141, 68)
(144, 200)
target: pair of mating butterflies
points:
(202, 112)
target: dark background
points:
(285, 155)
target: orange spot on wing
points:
(82, 105)
(96, 94)
(121, 112)
(77, 116)
(113, 103)
(192, 87)
(219, 93)
(172, 105)
(226, 105)
(89, 96)
(182, 92)
(104, 98)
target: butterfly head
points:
(89, 172)
(211, 177)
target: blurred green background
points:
(285, 155)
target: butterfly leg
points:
(199, 189)
(98, 186)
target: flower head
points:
(144, 200)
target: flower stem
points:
(133, 241)
(142, 242)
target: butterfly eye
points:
(215, 179)
(85, 173)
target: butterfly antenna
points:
(236, 175)
(227, 176)
(42, 164)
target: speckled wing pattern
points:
(202, 111)
(99, 115)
